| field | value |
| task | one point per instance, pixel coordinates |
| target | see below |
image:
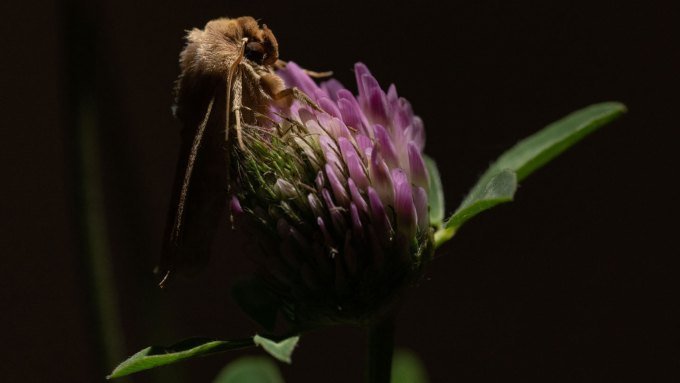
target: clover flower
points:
(338, 192)
(333, 188)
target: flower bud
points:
(348, 207)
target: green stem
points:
(96, 250)
(80, 33)
(380, 350)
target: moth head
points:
(225, 37)
(261, 47)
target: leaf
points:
(526, 157)
(254, 298)
(435, 194)
(499, 189)
(156, 356)
(408, 368)
(280, 350)
(538, 149)
(250, 369)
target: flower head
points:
(338, 190)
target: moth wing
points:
(202, 176)
(199, 194)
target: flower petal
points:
(360, 70)
(354, 165)
(405, 210)
(357, 226)
(377, 105)
(294, 76)
(235, 205)
(417, 167)
(339, 191)
(381, 178)
(386, 146)
(357, 199)
(329, 106)
(420, 203)
(378, 216)
(315, 205)
(334, 211)
(332, 87)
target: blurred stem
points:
(83, 127)
(380, 350)
(96, 254)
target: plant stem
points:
(380, 350)
(80, 33)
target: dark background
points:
(575, 281)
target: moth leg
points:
(233, 69)
(283, 129)
(280, 64)
(236, 107)
(288, 95)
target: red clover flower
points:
(339, 195)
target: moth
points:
(227, 81)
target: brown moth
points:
(227, 81)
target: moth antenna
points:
(314, 74)
(280, 64)
(163, 281)
(190, 167)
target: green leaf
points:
(499, 182)
(250, 369)
(538, 149)
(499, 189)
(280, 350)
(408, 368)
(435, 194)
(156, 356)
